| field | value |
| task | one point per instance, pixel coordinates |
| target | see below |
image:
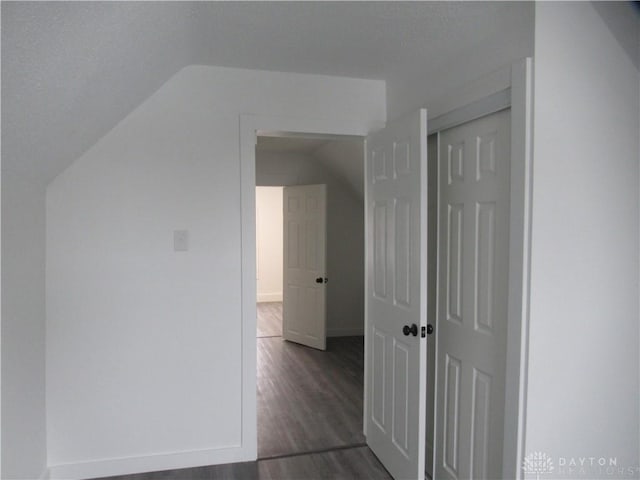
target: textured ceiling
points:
(72, 70)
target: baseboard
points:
(345, 332)
(269, 297)
(147, 463)
(44, 475)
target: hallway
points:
(308, 400)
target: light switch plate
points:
(180, 240)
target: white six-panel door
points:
(305, 239)
(474, 174)
(395, 363)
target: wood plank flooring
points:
(309, 413)
(269, 319)
(343, 464)
(308, 399)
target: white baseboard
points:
(269, 297)
(345, 332)
(148, 463)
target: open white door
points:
(474, 186)
(305, 240)
(396, 261)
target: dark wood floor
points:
(309, 413)
(308, 399)
(269, 319)
(342, 464)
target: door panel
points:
(451, 418)
(395, 363)
(304, 299)
(473, 238)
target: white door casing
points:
(396, 265)
(305, 240)
(473, 266)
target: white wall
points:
(269, 243)
(464, 76)
(143, 343)
(23, 328)
(583, 354)
(345, 235)
(343, 159)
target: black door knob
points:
(429, 329)
(413, 330)
(319, 280)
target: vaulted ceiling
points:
(72, 70)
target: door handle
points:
(413, 330)
(322, 280)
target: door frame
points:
(251, 126)
(519, 97)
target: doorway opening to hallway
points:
(310, 393)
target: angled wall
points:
(453, 77)
(143, 342)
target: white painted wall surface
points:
(23, 328)
(345, 235)
(143, 343)
(583, 387)
(455, 78)
(344, 160)
(269, 243)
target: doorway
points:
(310, 400)
(519, 95)
(269, 260)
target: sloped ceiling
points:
(344, 158)
(341, 156)
(72, 70)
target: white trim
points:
(346, 332)
(250, 126)
(146, 463)
(269, 297)
(367, 255)
(434, 451)
(519, 267)
(519, 97)
(480, 108)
